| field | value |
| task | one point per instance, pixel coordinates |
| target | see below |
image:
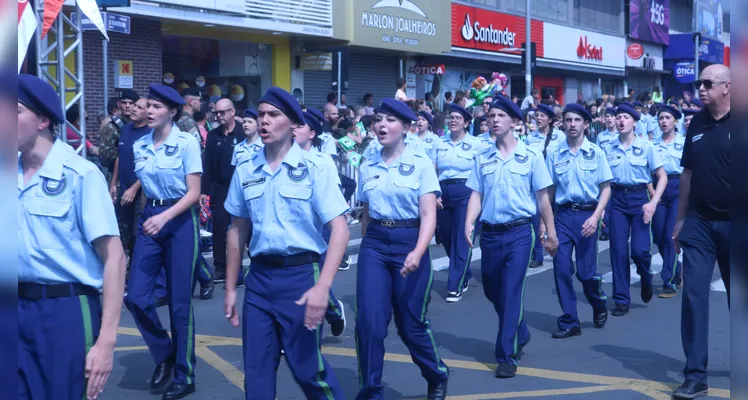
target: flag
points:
(26, 29)
(90, 9)
(51, 11)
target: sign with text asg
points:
(649, 20)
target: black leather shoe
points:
(600, 318)
(567, 333)
(620, 310)
(178, 391)
(206, 292)
(647, 292)
(536, 263)
(437, 391)
(505, 370)
(604, 237)
(162, 373)
(691, 390)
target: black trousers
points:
(221, 219)
(349, 186)
(703, 242)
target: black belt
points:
(486, 227)
(452, 181)
(580, 206)
(629, 188)
(36, 291)
(401, 223)
(277, 261)
(159, 203)
(673, 176)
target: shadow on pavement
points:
(136, 375)
(475, 349)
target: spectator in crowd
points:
(461, 99)
(400, 93)
(531, 101)
(447, 100)
(343, 99)
(368, 107)
(332, 98)
(73, 117)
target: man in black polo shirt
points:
(217, 173)
(702, 229)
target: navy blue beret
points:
(579, 110)
(313, 123)
(454, 108)
(190, 91)
(638, 104)
(285, 102)
(166, 95)
(672, 110)
(427, 116)
(40, 97)
(610, 110)
(673, 103)
(688, 111)
(397, 109)
(250, 113)
(546, 110)
(317, 114)
(626, 108)
(508, 106)
(697, 102)
(128, 94)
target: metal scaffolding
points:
(62, 39)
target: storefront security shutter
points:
(317, 84)
(371, 73)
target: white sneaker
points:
(205, 234)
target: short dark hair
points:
(331, 97)
(400, 82)
(73, 113)
(534, 92)
(448, 95)
(367, 96)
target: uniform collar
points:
(520, 150)
(173, 139)
(53, 164)
(586, 146)
(293, 159)
(407, 157)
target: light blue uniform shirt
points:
(393, 191)
(328, 144)
(508, 186)
(537, 141)
(653, 125)
(244, 149)
(681, 126)
(163, 171)
(641, 127)
(429, 144)
(486, 138)
(635, 165)
(288, 207)
(578, 176)
(61, 211)
(375, 147)
(671, 153)
(604, 137)
(455, 160)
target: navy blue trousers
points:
(537, 250)
(54, 336)
(506, 256)
(176, 246)
(273, 321)
(605, 229)
(703, 242)
(626, 221)
(569, 231)
(663, 224)
(451, 220)
(334, 312)
(380, 290)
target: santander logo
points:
(588, 51)
(467, 29)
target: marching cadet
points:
(167, 162)
(670, 150)
(455, 155)
(633, 161)
(288, 194)
(398, 190)
(186, 121)
(640, 129)
(603, 138)
(425, 134)
(509, 183)
(686, 122)
(252, 142)
(70, 250)
(581, 178)
(545, 139)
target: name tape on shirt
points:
(371, 178)
(253, 182)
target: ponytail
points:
(548, 138)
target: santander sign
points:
(588, 51)
(474, 31)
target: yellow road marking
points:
(538, 393)
(651, 389)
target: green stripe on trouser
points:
(191, 324)
(320, 362)
(467, 261)
(424, 308)
(522, 297)
(87, 327)
(597, 252)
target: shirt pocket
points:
(519, 175)
(52, 223)
(589, 171)
(638, 161)
(169, 163)
(255, 201)
(488, 174)
(295, 201)
(675, 155)
(562, 170)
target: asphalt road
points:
(638, 356)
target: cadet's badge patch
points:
(298, 174)
(520, 158)
(637, 151)
(554, 136)
(429, 140)
(170, 150)
(406, 169)
(589, 155)
(53, 187)
(466, 146)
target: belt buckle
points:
(575, 207)
(388, 223)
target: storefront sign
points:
(643, 55)
(682, 48)
(635, 51)
(650, 20)
(420, 26)
(685, 72)
(114, 22)
(316, 62)
(491, 31)
(123, 77)
(428, 69)
(576, 46)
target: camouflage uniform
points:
(108, 142)
(186, 123)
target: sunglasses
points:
(708, 83)
(223, 112)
